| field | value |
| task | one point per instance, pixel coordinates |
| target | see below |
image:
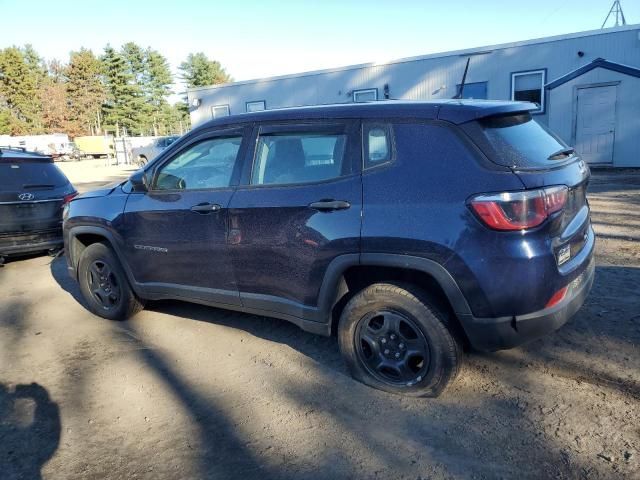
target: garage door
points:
(595, 123)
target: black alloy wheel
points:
(104, 285)
(392, 348)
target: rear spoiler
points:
(457, 113)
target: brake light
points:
(557, 297)
(67, 198)
(519, 210)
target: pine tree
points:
(125, 106)
(21, 75)
(199, 71)
(157, 84)
(85, 91)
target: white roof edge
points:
(468, 51)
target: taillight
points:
(519, 210)
(67, 198)
(557, 297)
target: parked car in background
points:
(410, 229)
(32, 193)
(144, 154)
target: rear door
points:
(176, 233)
(298, 209)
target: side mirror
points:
(139, 181)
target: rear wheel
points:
(104, 284)
(393, 338)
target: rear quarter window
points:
(30, 176)
(377, 145)
(520, 141)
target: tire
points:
(104, 285)
(380, 332)
(142, 161)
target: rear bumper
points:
(30, 242)
(490, 334)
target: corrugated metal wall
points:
(433, 77)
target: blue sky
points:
(272, 37)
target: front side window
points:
(529, 87)
(298, 158)
(204, 165)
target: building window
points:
(477, 90)
(218, 111)
(529, 87)
(365, 95)
(256, 106)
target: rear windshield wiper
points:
(43, 186)
(562, 154)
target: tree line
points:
(121, 91)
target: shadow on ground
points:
(322, 349)
(29, 430)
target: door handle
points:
(328, 205)
(205, 208)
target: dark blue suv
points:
(410, 229)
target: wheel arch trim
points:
(109, 237)
(339, 266)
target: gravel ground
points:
(185, 391)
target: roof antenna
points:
(616, 9)
(464, 78)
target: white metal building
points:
(587, 85)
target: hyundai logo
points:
(26, 196)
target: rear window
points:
(520, 141)
(299, 158)
(30, 176)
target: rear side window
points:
(520, 141)
(30, 176)
(299, 158)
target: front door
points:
(299, 209)
(595, 123)
(176, 233)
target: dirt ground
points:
(185, 391)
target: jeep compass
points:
(408, 229)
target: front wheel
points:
(393, 338)
(104, 285)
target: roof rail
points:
(9, 147)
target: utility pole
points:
(616, 9)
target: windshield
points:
(520, 141)
(26, 176)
